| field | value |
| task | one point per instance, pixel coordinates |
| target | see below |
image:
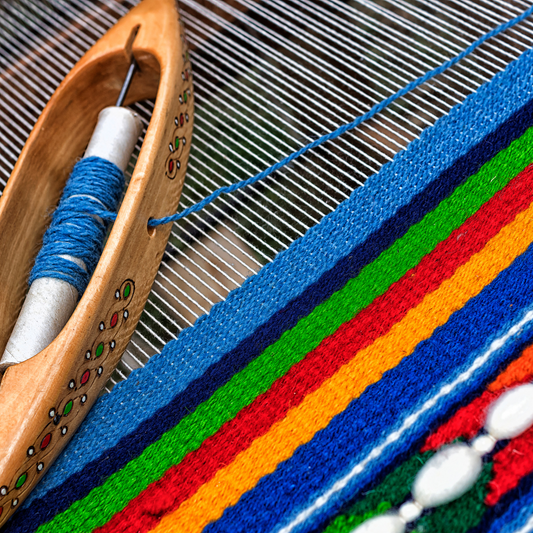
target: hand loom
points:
(347, 350)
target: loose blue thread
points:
(76, 232)
(74, 229)
(111, 216)
(332, 135)
(339, 131)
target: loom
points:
(269, 77)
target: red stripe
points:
(468, 421)
(510, 465)
(181, 481)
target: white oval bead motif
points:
(410, 511)
(512, 413)
(387, 523)
(483, 444)
(450, 473)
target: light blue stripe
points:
(151, 388)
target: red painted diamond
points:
(85, 377)
(181, 119)
(114, 320)
(46, 441)
(170, 166)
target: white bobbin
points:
(50, 302)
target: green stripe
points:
(458, 516)
(347, 523)
(104, 501)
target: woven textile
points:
(340, 365)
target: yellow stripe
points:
(334, 395)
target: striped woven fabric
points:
(306, 400)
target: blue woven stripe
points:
(511, 512)
(381, 409)
(79, 485)
(259, 299)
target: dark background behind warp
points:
(269, 76)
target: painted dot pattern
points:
(46, 441)
(21, 480)
(56, 417)
(68, 408)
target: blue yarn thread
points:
(74, 229)
(334, 134)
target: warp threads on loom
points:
(95, 184)
(377, 108)
(108, 466)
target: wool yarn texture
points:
(309, 399)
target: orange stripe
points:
(319, 407)
(518, 371)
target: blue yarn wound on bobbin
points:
(73, 230)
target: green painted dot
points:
(21, 480)
(177, 142)
(68, 408)
(185, 96)
(127, 288)
(99, 349)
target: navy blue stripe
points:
(94, 474)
